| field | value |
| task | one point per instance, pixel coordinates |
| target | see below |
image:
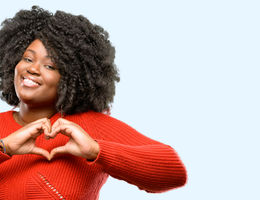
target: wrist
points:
(94, 153)
(3, 147)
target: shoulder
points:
(6, 123)
(6, 115)
(100, 118)
(111, 129)
(95, 119)
(90, 115)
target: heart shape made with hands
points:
(80, 143)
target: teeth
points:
(29, 82)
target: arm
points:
(4, 157)
(121, 151)
(22, 141)
(128, 155)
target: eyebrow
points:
(35, 52)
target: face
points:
(36, 77)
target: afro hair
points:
(81, 51)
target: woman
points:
(59, 71)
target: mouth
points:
(29, 82)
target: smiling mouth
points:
(29, 83)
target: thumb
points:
(42, 152)
(57, 150)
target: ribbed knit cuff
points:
(154, 168)
(104, 151)
(4, 157)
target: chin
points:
(36, 102)
(36, 98)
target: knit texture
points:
(124, 154)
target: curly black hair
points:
(81, 50)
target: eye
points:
(50, 67)
(26, 59)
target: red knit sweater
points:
(124, 154)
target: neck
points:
(28, 114)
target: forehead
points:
(38, 49)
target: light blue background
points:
(189, 78)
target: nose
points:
(33, 69)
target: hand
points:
(79, 144)
(23, 140)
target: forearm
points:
(3, 154)
(4, 157)
(129, 155)
(154, 168)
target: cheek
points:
(16, 75)
(53, 80)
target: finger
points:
(32, 131)
(64, 121)
(55, 125)
(59, 122)
(44, 121)
(38, 129)
(58, 150)
(39, 120)
(65, 129)
(47, 123)
(42, 152)
(46, 130)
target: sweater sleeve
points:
(3, 157)
(128, 155)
